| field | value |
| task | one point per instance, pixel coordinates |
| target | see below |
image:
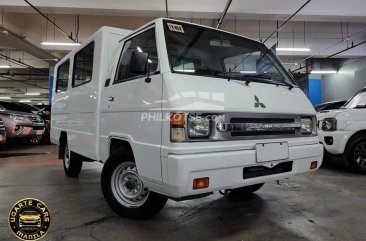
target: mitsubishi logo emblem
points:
(257, 103)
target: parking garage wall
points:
(351, 78)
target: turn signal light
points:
(177, 130)
(177, 119)
(200, 183)
(313, 165)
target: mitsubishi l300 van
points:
(179, 110)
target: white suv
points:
(343, 131)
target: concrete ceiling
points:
(192, 8)
(318, 26)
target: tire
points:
(72, 164)
(124, 191)
(243, 192)
(355, 154)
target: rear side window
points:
(144, 42)
(83, 66)
(62, 76)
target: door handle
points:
(110, 98)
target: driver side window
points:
(144, 42)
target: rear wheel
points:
(124, 190)
(355, 154)
(243, 192)
(72, 164)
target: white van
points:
(343, 132)
(180, 111)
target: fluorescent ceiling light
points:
(25, 101)
(185, 70)
(5, 97)
(248, 71)
(293, 49)
(290, 63)
(324, 72)
(139, 49)
(59, 44)
(33, 94)
(4, 66)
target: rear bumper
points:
(225, 169)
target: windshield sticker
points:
(175, 27)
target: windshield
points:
(357, 101)
(197, 50)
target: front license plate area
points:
(272, 152)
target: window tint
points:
(83, 65)
(144, 42)
(62, 76)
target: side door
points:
(131, 106)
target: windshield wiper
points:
(271, 80)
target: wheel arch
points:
(62, 142)
(357, 133)
(116, 144)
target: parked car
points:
(179, 110)
(333, 105)
(343, 131)
(2, 132)
(19, 123)
(45, 114)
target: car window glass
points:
(83, 65)
(62, 76)
(144, 42)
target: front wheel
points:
(355, 154)
(72, 164)
(243, 192)
(124, 190)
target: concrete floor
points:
(326, 205)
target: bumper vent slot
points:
(259, 171)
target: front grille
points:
(263, 127)
(259, 171)
(2, 126)
(38, 127)
(36, 119)
(261, 120)
(263, 133)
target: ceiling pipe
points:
(18, 62)
(48, 19)
(293, 15)
(166, 9)
(224, 13)
(34, 85)
(332, 55)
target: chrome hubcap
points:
(360, 154)
(127, 186)
(67, 157)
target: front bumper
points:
(25, 132)
(225, 169)
(339, 140)
(2, 137)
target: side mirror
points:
(138, 62)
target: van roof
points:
(196, 24)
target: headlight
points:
(198, 126)
(329, 124)
(306, 125)
(16, 117)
